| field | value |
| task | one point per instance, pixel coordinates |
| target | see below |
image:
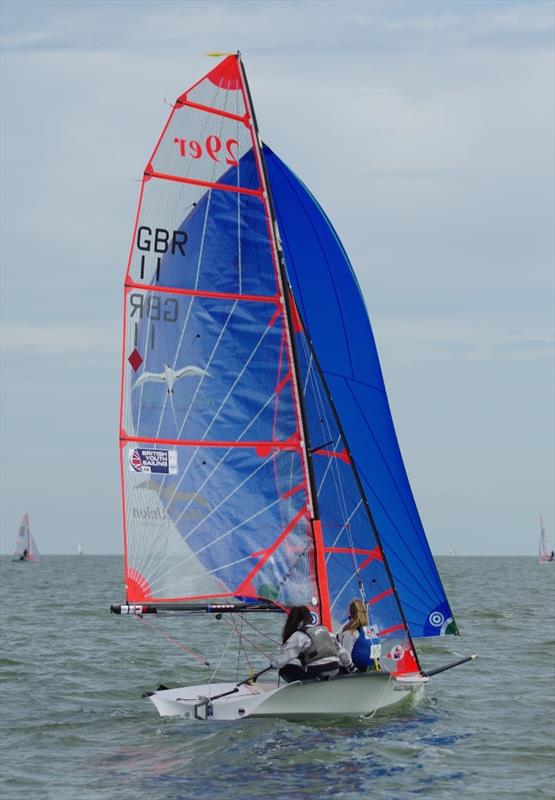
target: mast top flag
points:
(259, 462)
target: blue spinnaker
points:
(329, 300)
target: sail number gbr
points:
(212, 147)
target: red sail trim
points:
(154, 287)
(375, 553)
(297, 324)
(137, 587)
(322, 574)
(183, 101)
(226, 75)
(246, 584)
(161, 600)
(343, 455)
(283, 382)
(293, 491)
(290, 444)
(224, 187)
(379, 597)
(122, 480)
(133, 240)
(387, 631)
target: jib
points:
(161, 240)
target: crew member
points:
(313, 645)
(360, 640)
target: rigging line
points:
(245, 637)
(265, 635)
(340, 592)
(189, 309)
(201, 659)
(308, 375)
(345, 524)
(335, 469)
(239, 254)
(223, 655)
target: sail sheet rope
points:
(201, 659)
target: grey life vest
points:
(322, 645)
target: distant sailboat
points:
(79, 549)
(546, 555)
(25, 546)
(452, 550)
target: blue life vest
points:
(367, 649)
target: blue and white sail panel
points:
(329, 300)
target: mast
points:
(321, 574)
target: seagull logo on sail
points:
(170, 376)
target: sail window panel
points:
(208, 369)
(207, 521)
(201, 146)
(200, 239)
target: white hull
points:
(346, 696)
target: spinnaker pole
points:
(321, 573)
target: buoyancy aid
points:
(367, 649)
(322, 645)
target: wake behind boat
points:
(274, 477)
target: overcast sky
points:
(426, 131)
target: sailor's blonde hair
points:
(358, 616)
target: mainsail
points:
(25, 546)
(243, 480)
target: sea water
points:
(74, 723)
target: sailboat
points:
(259, 463)
(25, 546)
(546, 555)
(80, 550)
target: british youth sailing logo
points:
(158, 462)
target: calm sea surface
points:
(74, 724)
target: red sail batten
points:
(267, 552)
(224, 187)
(183, 101)
(269, 446)
(154, 287)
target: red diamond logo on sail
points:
(135, 359)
